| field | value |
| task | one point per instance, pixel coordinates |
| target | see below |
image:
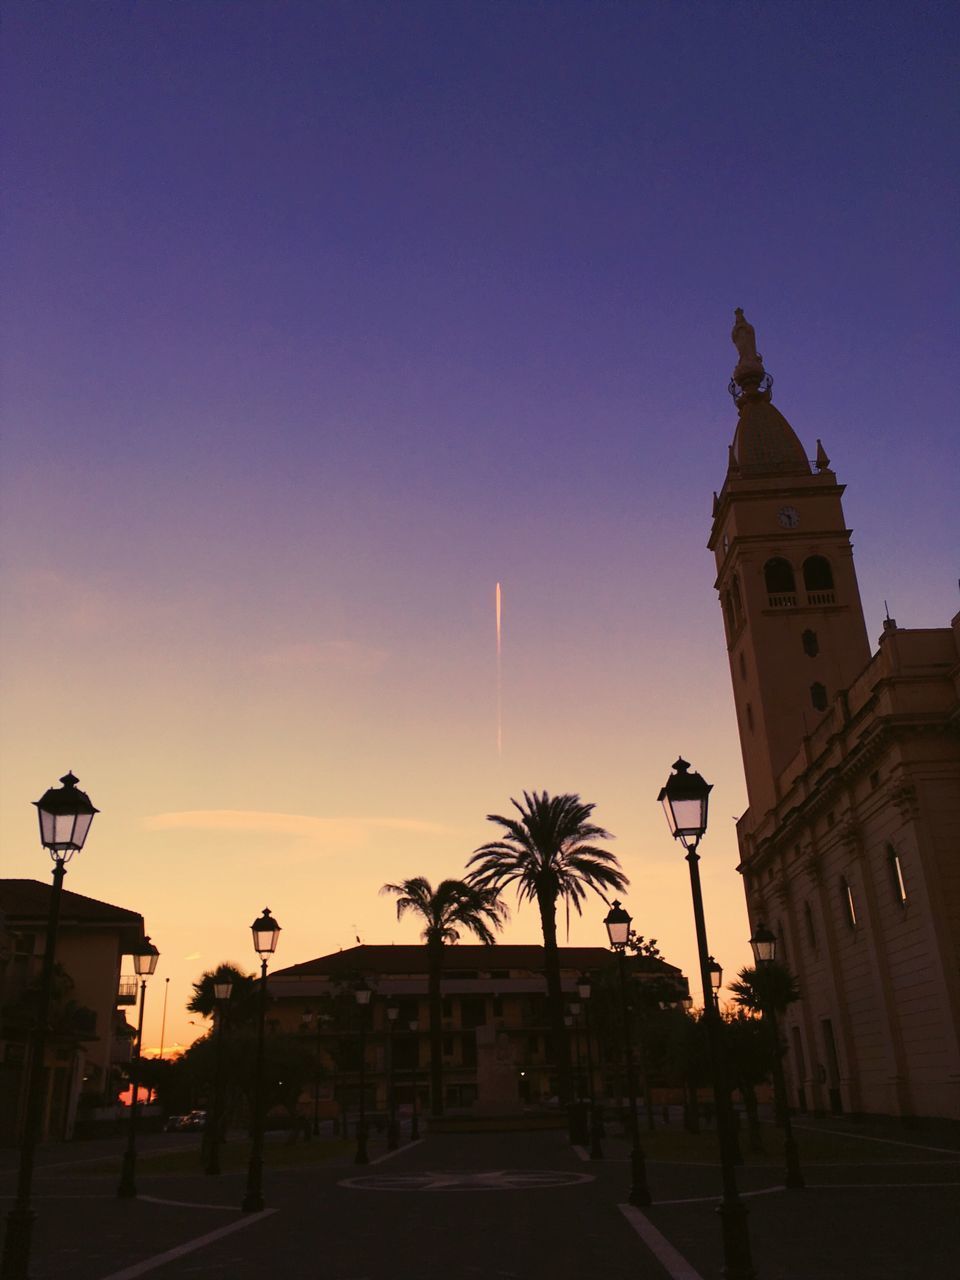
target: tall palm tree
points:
(549, 854)
(454, 906)
(766, 986)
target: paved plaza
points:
(503, 1206)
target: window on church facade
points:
(818, 696)
(811, 645)
(818, 580)
(896, 876)
(780, 583)
(809, 926)
(849, 902)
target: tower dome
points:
(764, 442)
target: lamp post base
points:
(596, 1149)
(16, 1245)
(253, 1200)
(127, 1189)
(794, 1179)
(361, 1157)
(639, 1191)
(737, 1260)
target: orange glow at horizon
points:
(499, 607)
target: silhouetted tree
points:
(454, 906)
(549, 855)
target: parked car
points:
(194, 1120)
(173, 1123)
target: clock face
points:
(789, 517)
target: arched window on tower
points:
(818, 580)
(779, 581)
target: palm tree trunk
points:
(551, 965)
(435, 969)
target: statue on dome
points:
(745, 338)
(750, 364)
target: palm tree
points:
(242, 1006)
(452, 907)
(768, 986)
(548, 854)
(769, 989)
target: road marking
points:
(388, 1155)
(185, 1204)
(764, 1191)
(674, 1263)
(891, 1142)
(465, 1180)
(161, 1259)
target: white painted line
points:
(879, 1186)
(388, 1155)
(161, 1259)
(582, 1152)
(889, 1142)
(185, 1204)
(675, 1264)
(715, 1198)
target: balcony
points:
(821, 597)
(781, 601)
(127, 991)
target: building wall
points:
(879, 779)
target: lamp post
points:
(362, 994)
(414, 1071)
(222, 991)
(144, 963)
(65, 815)
(715, 969)
(617, 921)
(684, 798)
(584, 990)
(764, 945)
(266, 935)
(393, 1134)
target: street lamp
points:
(584, 991)
(362, 994)
(618, 930)
(715, 970)
(684, 798)
(144, 964)
(393, 1136)
(414, 1025)
(266, 934)
(764, 944)
(222, 991)
(65, 815)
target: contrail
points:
(499, 606)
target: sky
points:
(321, 319)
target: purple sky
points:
(320, 319)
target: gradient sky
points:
(322, 318)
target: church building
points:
(850, 847)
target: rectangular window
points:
(809, 925)
(896, 876)
(498, 1006)
(849, 902)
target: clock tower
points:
(788, 590)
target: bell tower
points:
(788, 589)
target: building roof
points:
(28, 902)
(412, 959)
(765, 443)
